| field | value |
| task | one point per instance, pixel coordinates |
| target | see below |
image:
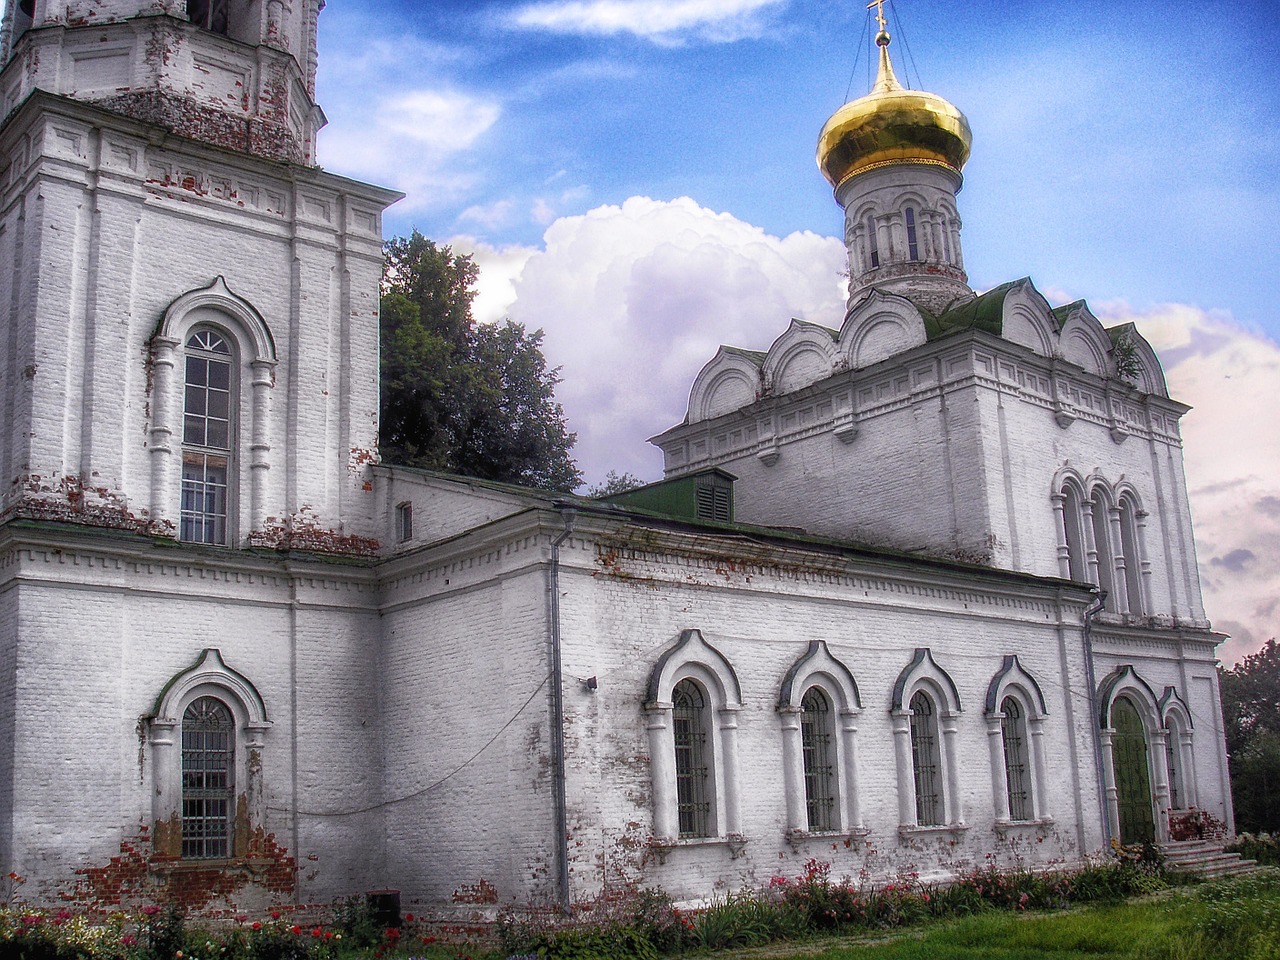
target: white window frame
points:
(691, 657)
(1013, 681)
(215, 307)
(209, 676)
(923, 675)
(817, 667)
(1180, 742)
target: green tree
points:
(612, 484)
(1251, 711)
(475, 399)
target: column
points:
(793, 769)
(662, 768)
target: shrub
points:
(593, 943)
(1263, 847)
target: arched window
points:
(208, 778)
(873, 243)
(209, 14)
(693, 787)
(1073, 534)
(1131, 550)
(818, 749)
(206, 437)
(913, 247)
(1013, 734)
(926, 762)
(1105, 563)
(925, 708)
(1015, 711)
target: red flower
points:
(317, 932)
(295, 929)
(409, 917)
(257, 925)
(275, 914)
(393, 933)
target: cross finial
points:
(879, 5)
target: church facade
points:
(913, 592)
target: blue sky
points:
(637, 178)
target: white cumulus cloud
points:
(635, 298)
(715, 20)
(1230, 376)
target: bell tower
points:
(188, 303)
(239, 74)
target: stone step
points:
(1217, 865)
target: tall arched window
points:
(873, 243)
(208, 782)
(1101, 515)
(1013, 734)
(1131, 549)
(206, 438)
(926, 761)
(818, 750)
(1073, 533)
(913, 247)
(209, 14)
(689, 728)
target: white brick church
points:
(913, 591)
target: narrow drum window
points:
(873, 244)
(1132, 555)
(206, 439)
(1102, 544)
(1073, 534)
(926, 761)
(208, 755)
(819, 766)
(913, 247)
(1175, 774)
(1013, 731)
(689, 724)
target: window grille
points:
(208, 754)
(209, 14)
(873, 244)
(1175, 774)
(688, 719)
(913, 248)
(1013, 731)
(926, 762)
(819, 768)
(206, 439)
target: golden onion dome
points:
(892, 125)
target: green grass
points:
(1231, 920)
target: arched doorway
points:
(1133, 780)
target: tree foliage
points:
(475, 399)
(612, 484)
(1251, 711)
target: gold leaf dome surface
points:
(892, 124)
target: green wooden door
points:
(1133, 783)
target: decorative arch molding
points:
(817, 667)
(1149, 374)
(210, 670)
(1027, 319)
(691, 657)
(923, 670)
(804, 354)
(1173, 706)
(1011, 761)
(693, 651)
(817, 664)
(730, 380)
(878, 327)
(923, 675)
(218, 296)
(1013, 677)
(1083, 341)
(208, 676)
(1125, 681)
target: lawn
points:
(1234, 920)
